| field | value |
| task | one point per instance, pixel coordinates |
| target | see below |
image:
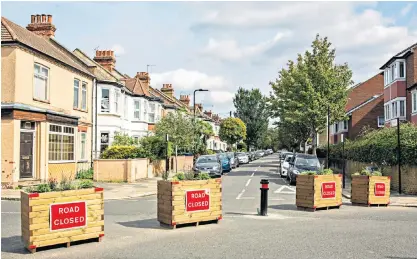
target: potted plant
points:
(319, 190)
(189, 198)
(370, 188)
(59, 213)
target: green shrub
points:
(210, 152)
(326, 172)
(190, 175)
(123, 152)
(203, 176)
(309, 173)
(85, 174)
(43, 187)
(380, 147)
(180, 176)
(85, 184)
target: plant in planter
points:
(370, 188)
(321, 189)
(189, 198)
(57, 213)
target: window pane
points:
(402, 69)
(415, 102)
(84, 97)
(105, 100)
(76, 93)
(402, 108)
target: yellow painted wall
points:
(58, 171)
(8, 73)
(7, 154)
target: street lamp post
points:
(328, 135)
(343, 159)
(197, 90)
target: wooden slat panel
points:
(69, 193)
(52, 235)
(35, 202)
(185, 221)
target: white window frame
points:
(43, 77)
(83, 150)
(392, 72)
(101, 100)
(150, 113)
(126, 106)
(414, 101)
(393, 109)
(116, 101)
(378, 120)
(84, 96)
(108, 140)
(136, 109)
(62, 133)
(76, 105)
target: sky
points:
(222, 46)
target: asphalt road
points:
(132, 230)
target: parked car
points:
(269, 151)
(234, 162)
(251, 156)
(210, 164)
(243, 158)
(300, 163)
(285, 165)
(258, 154)
(225, 162)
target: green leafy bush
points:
(368, 173)
(326, 172)
(43, 187)
(85, 174)
(123, 152)
(85, 184)
(380, 147)
(203, 176)
(210, 152)
(309, 173)
(180, 176)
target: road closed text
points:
(68, 215)
(197, 200)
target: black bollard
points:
(264, 197)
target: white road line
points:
(248, 182)
(10, 212)
(247, 198)
(252, 174)
(240, 194)
(256, 169)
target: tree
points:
(179, 129)
(232, 130)
(252, 108)
(303, 93)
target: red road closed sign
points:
(328, 190)
(197, 200)
(68, 215)
(379, 189)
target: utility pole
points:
(230, 114)
(328, 135)
(399, 155)
(147, 67)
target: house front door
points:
(26, 154)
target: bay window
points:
(395, 108)
(116, 101)
(125, 107)
(396, 70)
(61, 143)
(151, 114)
(40, 82)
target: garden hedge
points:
(380, 147)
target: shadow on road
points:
(13, 245)
(143, 223)
(395, 257)
(283, 207)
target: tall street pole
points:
(399, 155)
(197, 90)
(328, 135)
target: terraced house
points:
(124, 105)
(400, 87)
(46, 105)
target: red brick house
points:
(400, 86)
(365, 107)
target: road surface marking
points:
(247, 198)
(276, 199)
(248, 182)
(240, 194)
(10, 212)
(280, 190)
(252, 174)
(256, 169)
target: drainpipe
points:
(94, 118)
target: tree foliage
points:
(232, 130)
(303, 93)
(252, 108)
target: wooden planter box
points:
(370, 190)
(185, 202)
(61, 217)
(319, 191)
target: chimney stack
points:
(42, 25)
(199, 106)
(144, 78)
(185, 99)
(106, 59)
(168, 90)
(208, 113)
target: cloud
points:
(118, 49)
(229, 50)
(363, 36)
(406, 9)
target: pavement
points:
(131, 227)
(396, 199)
(112, 191)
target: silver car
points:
(209, 164)
(242, 157)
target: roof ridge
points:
(5, 22)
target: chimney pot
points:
(32, 18)
(38, 18)
(49, 18)
(43, 18)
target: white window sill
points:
(109, 113)
(82, 161)
(62, 162)
(396, 80)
